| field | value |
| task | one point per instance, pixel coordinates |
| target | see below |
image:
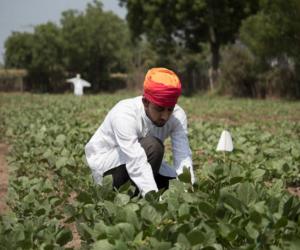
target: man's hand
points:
(187, 175)
(152, 196)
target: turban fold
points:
(162, 87)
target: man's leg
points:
(154, 150)
(162, 181)
(119, 175)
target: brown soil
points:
(76, 242)
(294, 191)
(3, 178)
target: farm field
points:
(242, 200)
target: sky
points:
(23, 15)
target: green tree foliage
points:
(46, 65)
(238, 76)
(96, 43)
(274, 33)
(273, 30)
(18, 50)
(93, 43)
(188, 23)
(142, 58)
(40, 53)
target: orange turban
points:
(162, 87)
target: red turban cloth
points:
(162, 87)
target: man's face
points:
(157, 114)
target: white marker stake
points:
(225, 143)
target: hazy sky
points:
(22, 15)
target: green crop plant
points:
(240, 203)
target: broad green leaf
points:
(86, 231)
(246, 193)
(195, 237)
(152, 196)
(260, 207)
(131, 217)
(99, 230)
(185, 176)
(159, 245)
(236, 179)
(19, 234)
(281, 223)
(183, 210)
(47, 186)
(60, 140)
(139, 237)
(233, 202)
(107, 182)
(206, 208)
(61, 162)
(120, 245)
(102, 244)
(89, 211)
(275, 248)
(253, 233)
(64, 236)
(125, 187)
(150, 214)
(294, 244)
(84, 197)
(256, 216)
(224, 229)
(111, 208)
(127, 230)
(121, 199)
(288, 206)
(296, 152)
(258, 174)
(183, 241)
(276, 188)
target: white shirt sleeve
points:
(182, 154)
(138, 168)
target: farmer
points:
(129, 143)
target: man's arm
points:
(138, 168)
(182, 154)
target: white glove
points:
(190, 168)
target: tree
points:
(171, 23)
(96, 43)
(276, 27)
(47, 64)
(274, 34)
(39, 53)
(18, 50)
(93, 43)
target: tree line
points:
(241, 48)
(93, 43)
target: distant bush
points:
(279, 82)
(238, 76)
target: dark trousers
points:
(154, 149)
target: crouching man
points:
(129, 143)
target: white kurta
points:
(116, 142)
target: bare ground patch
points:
(3, 177)
(75, 243)
(294, 191)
